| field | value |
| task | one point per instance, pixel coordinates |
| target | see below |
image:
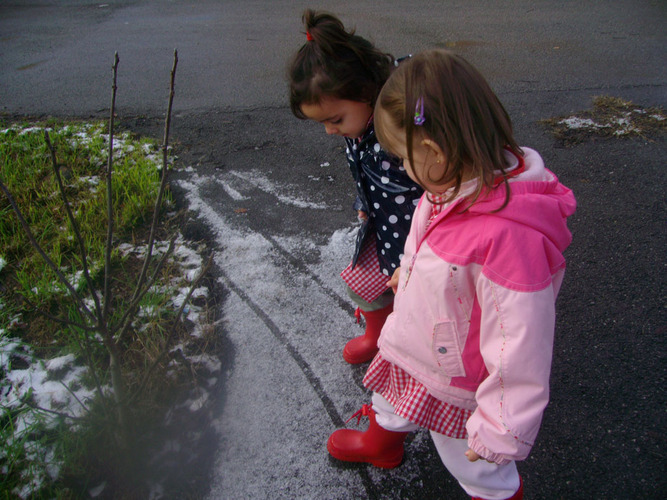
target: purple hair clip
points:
(419, 112)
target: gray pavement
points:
(285, 316)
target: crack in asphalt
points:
(281, 337)
(314, 382)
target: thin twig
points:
(204, 270)
(74, 396)
(75, 226)
(86, 346)
(47, 259)
(112, 349)
(196, 281)
(62, 321)
(109, 243)
(163, 183)
(66, 322)
(124, 323)
(54, 412)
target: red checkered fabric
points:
(410, 399)
(438, 201)
(366, 279)
(413, 402)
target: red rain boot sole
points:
(360, 357)
(384, 462)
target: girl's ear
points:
(432, 147)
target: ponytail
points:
(335, 63)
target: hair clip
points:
(309, 37)
(401, 59)
(419, 112)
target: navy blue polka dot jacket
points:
(386, 194)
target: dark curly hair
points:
(335, 63)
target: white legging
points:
(479, 479)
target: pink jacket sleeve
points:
(516, 342)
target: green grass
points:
(81, 149)
(85, 451)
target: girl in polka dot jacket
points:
(467, 351)
(335, 79)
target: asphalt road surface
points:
(273, 196)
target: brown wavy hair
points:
(462, 115)
(336, 63)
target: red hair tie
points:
(309, 37)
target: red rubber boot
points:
(365, 347)
(376, 446)
(517, 496)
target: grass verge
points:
(59, 439)
(609, 117)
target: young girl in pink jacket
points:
(467, 351)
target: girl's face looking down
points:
(340, 116)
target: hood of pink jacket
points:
(538, 201)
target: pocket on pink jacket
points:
(447, 349)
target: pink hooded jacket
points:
(474, 312)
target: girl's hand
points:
(363, 216)
(473, 457)
(393, 282)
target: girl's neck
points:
(368, 124)
(370, 120)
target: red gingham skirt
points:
(413, 402)
(366, 279)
